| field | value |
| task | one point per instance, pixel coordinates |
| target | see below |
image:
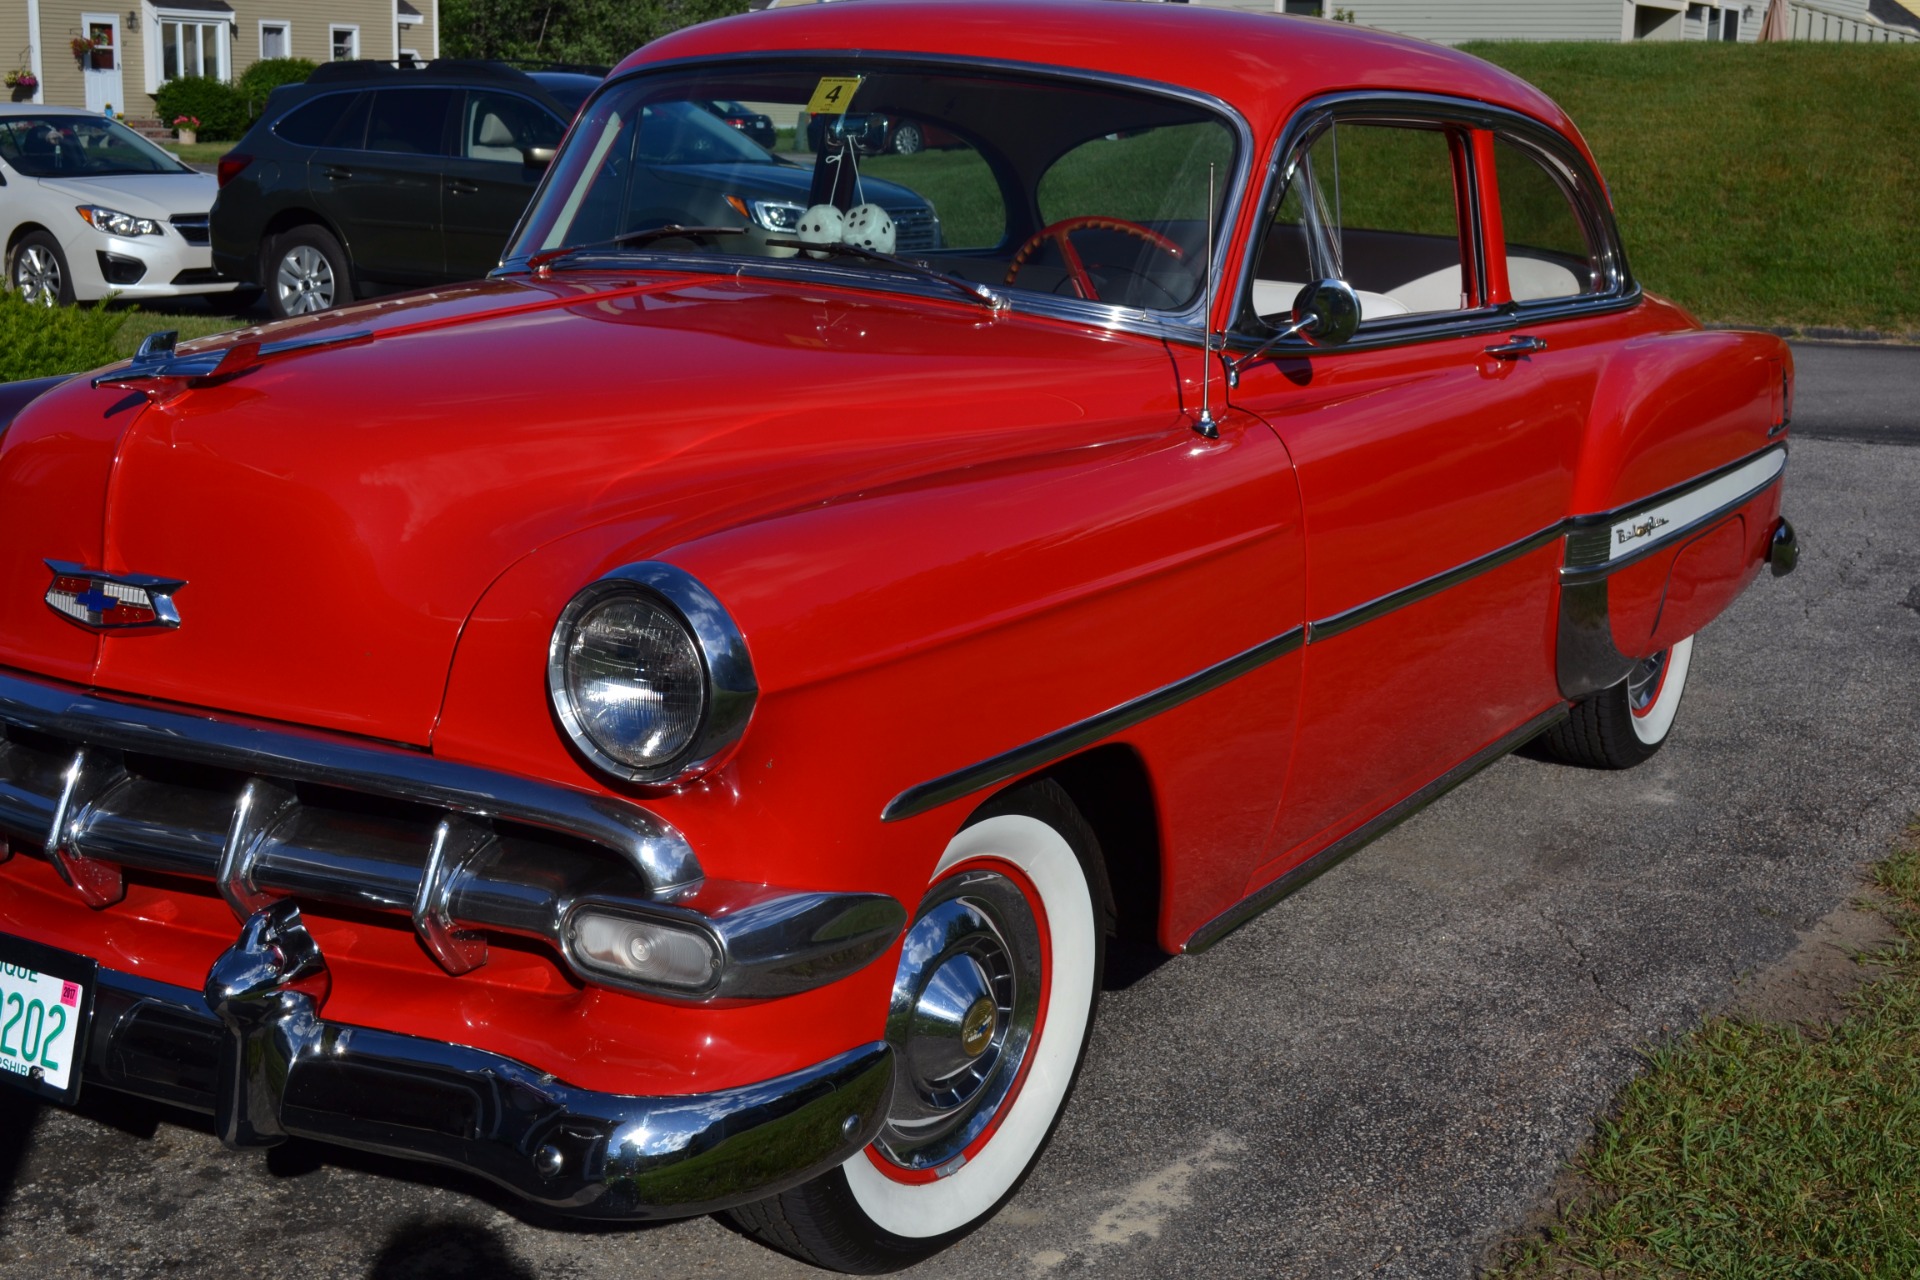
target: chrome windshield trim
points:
(1187, 324)
(650, 845)
(1010, 764)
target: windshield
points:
(1025, 183)
(79, 147)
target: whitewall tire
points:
(993, 999)
(1623, 726)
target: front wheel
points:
(908, 140)
(992, 1004)
(1621, 727)
(39, 271)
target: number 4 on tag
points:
(832, 94)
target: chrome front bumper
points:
(253, 1052)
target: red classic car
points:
(670, 727)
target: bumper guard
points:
(253, 1051)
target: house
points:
(132, 51)
(1614, 20)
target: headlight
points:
(116, 223)
(777, 215)
(648, 675)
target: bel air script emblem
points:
(112, 601)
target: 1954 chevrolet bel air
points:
(670, 727)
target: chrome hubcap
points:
(1643, 686)
(305, 281)
(36, 274)
(965, 1005)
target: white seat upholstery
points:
(494, 141)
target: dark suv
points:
(372, 174)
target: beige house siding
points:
(309, 29)
(1465, 20)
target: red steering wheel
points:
(1061, 233)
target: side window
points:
(503, 127)
(409, 121)
(336, 120)
(1549, 254)
(1378, 206)
(952, 178)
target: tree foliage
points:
(598, 32)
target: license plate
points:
(46, 997)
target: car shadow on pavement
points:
(19, 1114)
(423, 1249)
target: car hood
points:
(337, 512)
(145, 195)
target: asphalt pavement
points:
(1380, 1077)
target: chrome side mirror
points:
(1325, 313)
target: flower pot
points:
(24, 92)
(187, 136)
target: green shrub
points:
(37, 342)
(217, 105)
(262, 78)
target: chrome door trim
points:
(1366, 833)
(919, 799)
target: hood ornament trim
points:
(103, 601)
(157, 364)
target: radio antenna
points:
(1207, 426)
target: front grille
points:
(191, 226)
(915, 228)
(95, 786)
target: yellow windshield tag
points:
(832, 94)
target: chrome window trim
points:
(731, 689)
(1390, 107)
(1576, 627)
(1186, 325)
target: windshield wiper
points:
(551, 256)
(977, 292)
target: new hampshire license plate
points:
(45, 997)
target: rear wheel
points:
(306, 271)
(1623, 726)
(991, 1009)
(38, 271)
(908, 140)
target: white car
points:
(91, 209)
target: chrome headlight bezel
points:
(728, 684)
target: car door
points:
(382, 188)
(1434, 455)
(504, 143)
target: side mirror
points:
(539, 156)
(1325, 313)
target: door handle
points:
(464, 188)
(1515, 347)
(336, 173)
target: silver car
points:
(91, 209)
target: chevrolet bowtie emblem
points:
(112, 601)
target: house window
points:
(275, 40)
(346, 43)
(189, 47)
(1309, 8)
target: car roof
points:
(34, 109)
(1264, 65)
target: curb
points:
(1823, 333)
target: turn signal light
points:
(230, 166)
(647, 952)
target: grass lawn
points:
(1758, 1149)
(199, 152)
(1755, 184)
